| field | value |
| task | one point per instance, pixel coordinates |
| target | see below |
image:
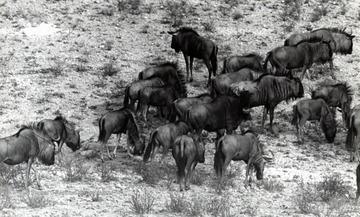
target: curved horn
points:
(344, 29)
(171, 32)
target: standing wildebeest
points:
(358, 182)
(181, 105)
(340, 41)
(161, 96)
(221, 83)
(118, 122)
(28, 143)
(165, 71)
(190, 43)
(314, 109)
(353, 134)
(269, 90)
(234, 147)
(61, 131)
(224, 112)
(301, 55)
(235, 63)
(164, 136)
(337, 95)
(187, 152)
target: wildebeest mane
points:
(203, 94)
(32, 126)
(187, 29)
(334, 30)
(169, 63)
(181, 87)
(310, 39)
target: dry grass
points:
(75, 170)
(107, 171)
(36, 200)
(142, 203)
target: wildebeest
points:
(358, 182)
(314, 109)
(119, 122)
(340, 41)
(166, 71)
(301, 55)
(337, 95)
(191, 44)
(61, 131)
(221, 83)
(28, 143)
(187, 152)
(161, 96)
(164, 136)
(244, 147)
(269, 90)
(252, 61)
(181, 105)
(224, 112)
(353, 134)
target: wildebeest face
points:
(175, 43)
(138, 148)
(330, 133)
(259, 167)
(73, 141)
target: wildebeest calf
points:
(187, 152)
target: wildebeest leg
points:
(191, 67)
(190, 174)
(29, 163)
(208, 66)
(246, 182)
(37, 177)
(219, 134)
(61, 142)
(155, 151)
(187, 174)
(118, 144)
(187, 66)
(265, 112)
(144, 111)
(272, 119)
(132, 105)
(301, 126)
(318, 129)
(224, 168)
(303, 71)
(165, 151)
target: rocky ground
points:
(76, 57)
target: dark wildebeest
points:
(164, 136)
(181, 105)
(235, 63)
(340, 41)
(224, 112)
(166, 71)
(161, 97)
(234, 147)
(301, 55)
(314, 109)
(132, 90)
(337, 95)
(61, 131)
(221, 83)
(119, 122)
(190, 43)
(187, 152)
(353, 134)
(358, 182)
(269, 90)
(28, 143)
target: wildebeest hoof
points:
(181, 190)
(187, 188)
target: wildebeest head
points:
(328, 125)
(73, 141)
(259, 167)
(200, 147)
(325, 53)
(175, 42)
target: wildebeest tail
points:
(182, 160)
(212, 90)
(268, 56)
(126, 98)
(358, 182)
(295, 118)
(224, 67)
(350, 134)
(186, 119)
(219, 158)
(149, 148)
(214, 62)
(141, 76)
(102, 131)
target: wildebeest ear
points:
(353, 36)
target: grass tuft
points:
(142, 203)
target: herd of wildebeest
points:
(245, 81)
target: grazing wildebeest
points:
(224, 112)
(119, 122)
(221, 83)
(161, 97)
(301, 55)
(61, 131)
(235, 63)
(132, 90)
(166, 71)
(314, 109)
(190, 43)
(181, 105)
(234, 147)
(358, 182)
(340, 41)
(164, 136)
(28, 143)
(337, 95)
(269, 90)
(187, 152)
(353, 134)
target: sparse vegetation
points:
(109, 69)
(5, 200)
(333, 186)
(238, 15)
(176, 12)
(319, 12)
(36, 200)
(107, 172)
(75, 170)
(291, 10)
(273, 185)
(130, 6)
(142, 203)
(209, 26)
(177, 204)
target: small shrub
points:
(5, 201)
(109, 69)
(107, 12)
(36, 200)
(177, 204)
(149, 174)
(333, 186)
(107, 172)
(176, 12)
(142, 203)
(131, 6)
(291, 10)
(273, 185)
(196, 207)
(81, 68)
(145, 29)
(108, 45)
(343, 9)
(219, 207)
(198, 179)
(318, 12)
(75, 170)
(57, 68)
(209, 26)
(232, 3)
(95, 197)
(237, 15)
(305, 201)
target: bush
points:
(291, 10)
(237, 15)
(305, 201)
(177, 204)
(36, 200)
(273, 185)
(333, 186)
(107, 172)
(176, 12)
(5, 201)
(318, 12)
(209, 26)
(109, 69)
(75, 170)
(142, 203)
